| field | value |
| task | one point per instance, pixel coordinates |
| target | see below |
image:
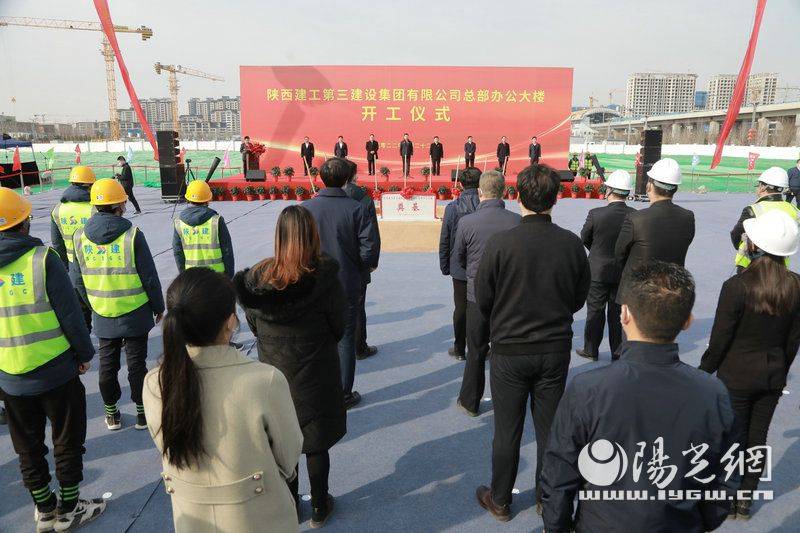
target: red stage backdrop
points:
(281, 105)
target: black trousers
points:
(754, 410)
(65, 408)
(514, 379)
(460, 315)
(793, 195)
(361, 321)
(109, 351)
(436, 167)
(319, 468)
(599, 303)
(347, 346)
(474, 381)
(535, 161)
(129, 191)
(469, 160)
(406, 165)
(307, 165)
(371, 166)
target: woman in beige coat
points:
(225, 425)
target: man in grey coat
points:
(473, 234)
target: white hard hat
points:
(775, 177)
(775, 232)
(666, 171)
(620, 180)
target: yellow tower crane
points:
(172, 71)
(107, 52)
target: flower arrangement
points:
(288, 172)
(256, 148)
(300, 192)
(273, 192)
(385, 172)
(285, 191)
(408, 192)
(426, 171)
(250, 192)
(262, 192)
(575, 188)
(235, 192)
(588, 188)
(276, 172)
(394, 188)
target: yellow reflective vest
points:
(70, 217)
(201, 244)
(759, 208)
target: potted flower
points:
(273, 192)
(314, 171)
(214, 193)
(385, 172)
(426, 171)
(585, 172)
(576, 191)
(589, 190)
(276, 172)
(561, 193)
(394, 188)
(511, 191)
(250, 193)
(426, 187)
(285, 192)
(300, 192)
(235, 193)
(441, 192)
(288, 172)
(262, 192)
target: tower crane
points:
(172, 71)
(107, 52)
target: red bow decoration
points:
(408, 192)
(455, 192)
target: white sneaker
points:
(85, 511)
(44, 521)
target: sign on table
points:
(418, 207)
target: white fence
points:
(769, 152)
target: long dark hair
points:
(297, 249)
(199, 302)
(771, 288)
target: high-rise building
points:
(208, 118)
(700, 99)
(761, 89)
(659, 93)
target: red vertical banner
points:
(16, 165)
(77, 154)
(752, 157)
(741, 83)
(104, 13)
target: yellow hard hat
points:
(82, 174)
(107, 191)
(198, 192)
(13, 208)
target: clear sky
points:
(60, 73)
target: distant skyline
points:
(60, 74)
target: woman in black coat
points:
(756, 334)
(295, 307)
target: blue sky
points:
(60, 73)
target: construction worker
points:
(769, 194)
(44, 347)
(114, 271)
(574, 165)
(201, 238)
(70, 215)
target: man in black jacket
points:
(503, 153)
(474, 232)
(599, 235)
(469, 152)
(534, 151)
(647, 424)
(794, 184)
(437, 153)
(661, 232)
(126, 180)
(448, 262)
(406, 151)
(349, 235)
(340, 149)
(372, 154)
(531, 280)
(307, 155)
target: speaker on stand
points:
(173, 173)
(649, 153)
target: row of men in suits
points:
(435, 151)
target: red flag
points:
(104, 13)
(77, 154)
(17, 165)
(751, 160)
(741, 83)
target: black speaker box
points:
(256, 175)
(172, 182)
(455, 174)
(641, 178)
(652, 137)
(166, 148)
(565, 175)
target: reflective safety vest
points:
(574, 164)
(201, 244)
(759, 208)
(70, 217)
(109, 274)
(30, 334)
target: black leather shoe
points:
(500, 512)
(320, 515)
(351, 400)
(369, 351)
(453, 353)
(585, 354)
(743, 509)
(469, 412)
(732, 511)
(3, 418)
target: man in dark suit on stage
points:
(372, 154)
(406, 151)
(503, 153)
(469, 152)
(307, 153)
(244, 148)
(599, 235)
(534, 151)
(340, 150)
(436, 153)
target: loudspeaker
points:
(651, 146)
(168, 148)
(214, 165)
(455, 174)
(256, 175)
(651, 137)
(173, 180)
(565, 175)
(641, 178)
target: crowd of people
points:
(231, 430)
